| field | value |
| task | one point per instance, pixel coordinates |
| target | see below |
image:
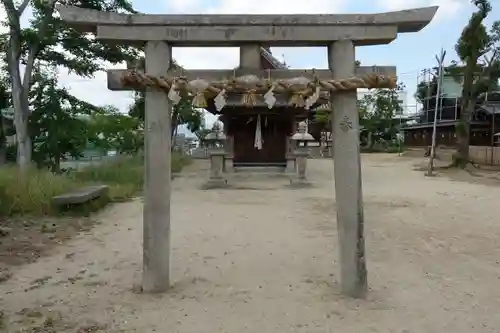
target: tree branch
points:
(36, 48)
(488, 66)
(13, 47)
(10, 8)
(22, 7)
(13, 19)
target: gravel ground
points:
(263, 258)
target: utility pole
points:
(440, 60)
(428, 96)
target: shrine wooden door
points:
(274, 131)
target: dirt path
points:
(265, 261)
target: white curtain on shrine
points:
(258, 135)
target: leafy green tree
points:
(57, 126)
(479, 68)
(182, 114)
(376, 115)
(50, 40)
(112, 130)
(323, 116)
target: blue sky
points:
(411, 53)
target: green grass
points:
(31, 194)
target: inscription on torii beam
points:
(234, 30)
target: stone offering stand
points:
(340, 33)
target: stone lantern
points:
(301, 140)
(215, 141)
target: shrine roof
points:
(275, 63)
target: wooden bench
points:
(82, 198)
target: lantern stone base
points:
(217, 166)
(290, 164)
(212, 184)
(300, 177)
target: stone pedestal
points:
(290, 163)
(229, 158)
(217, 153)
(217, 179)
(300, 177)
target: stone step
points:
(260, 170)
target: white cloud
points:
(446, 7)
(3, 18)
(257, 6)
(95, 90)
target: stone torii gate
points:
(340, 33)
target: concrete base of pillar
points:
(296, 182)
(217, 166)
(215, 183)
(290, 164)
(299, 180)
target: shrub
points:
(124, 175)
(394, 149)
(179, 161)
(32, 194)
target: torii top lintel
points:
(234, 30)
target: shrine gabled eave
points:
(268, 61)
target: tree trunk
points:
(463, 135)
(56, 165)
(23, 138)
(21, 88)
(3, 151)
(3, 142)
(467, 105)
(173, 133)
(23, 142)
(174, 136)
(21, 104)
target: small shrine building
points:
(259, 135)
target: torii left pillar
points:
(158, 171)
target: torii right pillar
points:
(347, 159)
